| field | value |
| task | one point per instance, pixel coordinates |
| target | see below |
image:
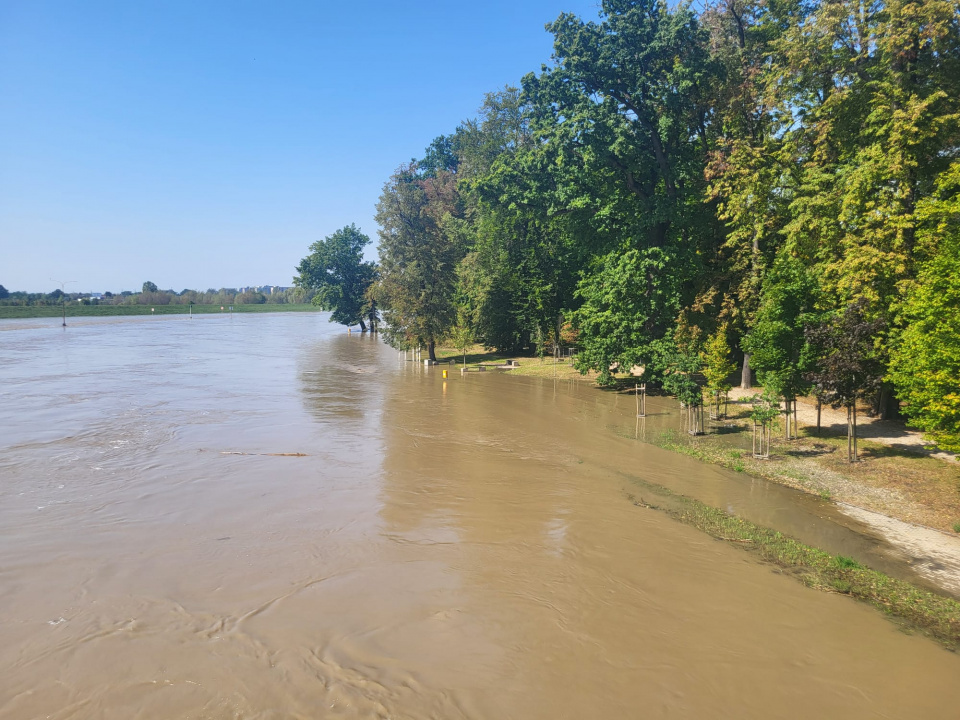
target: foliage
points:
(628, 305)
(4, 293)
(762, 175)
(926, 359)
(778, 347)
(717, 362)
(149, 287)
(848, 367)
(419, 252)
(335, 269)
(765, 407)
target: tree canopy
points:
(336, 271)
(680, 184)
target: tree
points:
(419, 253)
(149, 287)
(629, 304)
(925, 362)
(717, 366)
(4, 294)
(680, 364)
(847, 366)
(335, 269)
(777, 344)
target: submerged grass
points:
(934, 615)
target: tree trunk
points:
(849, 435)
(432, 350)
(855, 457)
(745, 383)
(819, 407)
(888, 406)
(363, 328)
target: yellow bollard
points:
(444, 374)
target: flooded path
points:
(458, 549)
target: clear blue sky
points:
(205, 144)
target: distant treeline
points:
(771, 181)
(151, 295)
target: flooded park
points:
(264, 516)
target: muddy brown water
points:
(458, 549)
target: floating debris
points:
(229, 452)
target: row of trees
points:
(151, 295)
(775, 182)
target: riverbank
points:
(897, 474)
(930, 613)
(905, 492)
(9, 312)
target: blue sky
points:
(207, 144)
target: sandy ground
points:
(885, 432)
(933, 553)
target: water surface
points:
(458, 549)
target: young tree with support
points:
(848, 368)
(717, 367)
(778, 346)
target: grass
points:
(16, 311)
(956, 527)
(529, 365)
(934, 615)
(894, 481)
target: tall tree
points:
(419, 252)
(925, 363)
(778, 346)
(336, 271)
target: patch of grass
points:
(528, 365)
(847, 562)
(935, 615)
(956, 527)
(702, 449)
(825, 494)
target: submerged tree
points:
(335, 269)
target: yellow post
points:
(444, 374)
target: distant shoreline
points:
(10, 312)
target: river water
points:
(435, 549)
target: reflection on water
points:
(447, 550)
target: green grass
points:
(956, 527)
(932, 614)
(15, 311)
(732, 459)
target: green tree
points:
(925, 363)
(777, 344)
(419, 253)
(4, 294)
(629, 304)
(149, 287)
(336, 271)
(717, 367)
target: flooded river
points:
(264, 517)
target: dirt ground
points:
(889, 433)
